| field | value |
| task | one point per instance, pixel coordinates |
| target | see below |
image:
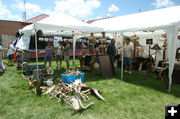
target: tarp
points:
(23, 42)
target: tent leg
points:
(74, 50)
(122, 52)
(36, 54)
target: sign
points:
(46, 39)
(56, 40)
(149, 41)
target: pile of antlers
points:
(71, 94)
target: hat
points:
(127, 38)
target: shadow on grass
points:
(150, 80)
(144, 79)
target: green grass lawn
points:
(137, 96)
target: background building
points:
(8, 29)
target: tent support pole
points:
(74, 49)
(122, 59)
(36, 54)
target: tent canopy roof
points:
(60, 22)
(151, 20)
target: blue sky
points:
(81, 9)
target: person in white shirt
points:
(128, 55)
(10, 53)
(58, 54)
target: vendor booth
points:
(165, 19)
(58, 23)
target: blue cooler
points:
(68, 79)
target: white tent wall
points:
(156, 36)
(157, 39)
(172, 33)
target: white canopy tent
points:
(166, 19)
(59, 22)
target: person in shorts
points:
(48, 54)
(128, 55)
(59, 54)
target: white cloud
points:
(47, 11)
(81, 9)
(98, 17)
(163, 3)
(6, 14)
(30, 8)
(113, 8)
(78, 8)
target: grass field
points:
(137, 96)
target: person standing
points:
(58, 54)
(19, 59)
(111, 49)
(66, 53)
(10, 53)
(1, 63)
(83, 55)
(128, 55)
(48, 54)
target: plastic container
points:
(68, 79)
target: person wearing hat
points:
(66, 53)
(128, 55)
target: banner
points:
(56, 40)
(23, 42)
